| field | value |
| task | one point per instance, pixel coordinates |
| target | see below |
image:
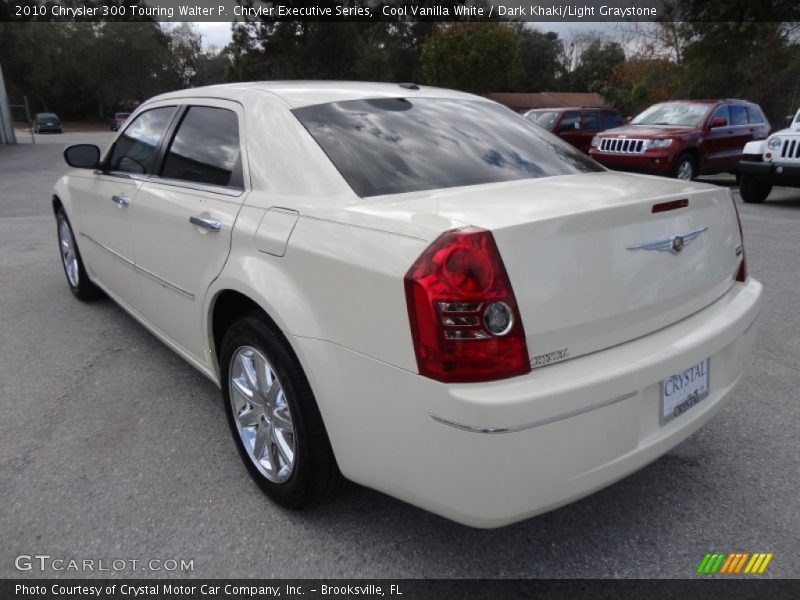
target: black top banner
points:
(399, 10)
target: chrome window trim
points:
(200, 187)
(533, 424)
(157, 278)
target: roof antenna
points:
(409, 86)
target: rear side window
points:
(613, 120)
(738, 114)
(754, 115)
(135, 150)
(395, 145)
(205, 148)
(591, 121)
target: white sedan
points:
(414, 288)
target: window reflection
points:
(398, 145)
(205, 148)
(135, 150)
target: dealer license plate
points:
(681, 391)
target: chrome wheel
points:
(262, 414)
(685, 170)
(68, 254)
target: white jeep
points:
(774, 161)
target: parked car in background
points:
(575, 125)
(46, 122)
(118, 120)
(683, 138)
(415, 288)
(774, 161)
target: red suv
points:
(575, 125)
(683, 138)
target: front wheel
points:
(77, 279)
(752, 190)
(685, 167)
(273, 415)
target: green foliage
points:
(596, 65)
(89, 70)
(476, 57)
(539, 54)
(86, 69)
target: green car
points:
(44, 122)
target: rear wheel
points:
(752, 190)
(71, 260)
(685, 167)
(273, 415)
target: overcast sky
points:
(219, 34)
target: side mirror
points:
(719, 122)
(82, 156)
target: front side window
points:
(722, 112)
(136, 149)
(205, 148)
(396, 145)
(570, 121)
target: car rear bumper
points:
(653, 162)
(776, 174)
(573, 427)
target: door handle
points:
(121, 200)
(209, 224)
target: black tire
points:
(85, 290)
(685, 161)
(752, 190)
(315, 472)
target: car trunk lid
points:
(575, 248)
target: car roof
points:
(305, 93)
(708, 101)
(562, 108)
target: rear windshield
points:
(396, 145)
(47, 117)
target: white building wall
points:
(6, 123)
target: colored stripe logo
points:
(734, 564)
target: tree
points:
(476, 57)
(539, 54)
(595, 65)
(185, 50)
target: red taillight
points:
(465, 322)
(741, 269)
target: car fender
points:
(755, 147)
(333, 278)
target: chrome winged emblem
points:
(674, 243)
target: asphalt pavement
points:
(112, 447)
